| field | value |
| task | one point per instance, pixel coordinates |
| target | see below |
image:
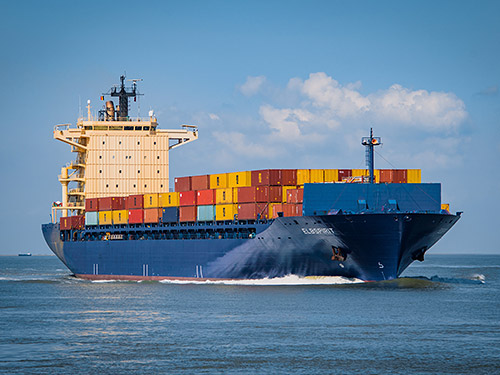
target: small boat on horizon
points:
(24, 254)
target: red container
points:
(344, 173)
(105, 204)
(187, 198)
(77, 222)
(91, 204)
(200, 182)
(290, 210)
(249, 211)
(271, 177)
(253, 194)
(187, 213)
(152, 215)
(276, 208)
(295, 196)
(183, 183)
(205, 197)
(400, 176)
(289, 177)
(118, 203)
(136, 216)
(275, 194)
(133, 202)
(65, 223)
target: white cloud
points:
(252, 85)
(213, 116)
(240, 145)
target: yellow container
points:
(105, 217)
(303, 176)
(226, 196)
(218, 181)
(151, 200)
(120, 217)
(331, 175)
(225, 211)
(359, 172)
(285, 189)
(168, 199)
(239, 179)
(445, 206)
(316, 176)
(414, 176)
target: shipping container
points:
(151, 201)
(445, 206)
(118, 203)
(289, 177)
(187, 213)
(182, 183)
(253, 211)
(316, 176)
(303, 176)
(168, 199)
(91, 218)
(134, 202)
(275, 209)
(331, 175)
(394, 176)
(120, 217)
(65, 223)
(218, 181)
(226, 196)
(187, 198)
(284, 192)
(254, 194)
(105, 204)
(91, 204)
(292, 209)
(152, 215)
(414, 176)
(136, 216)
(105, 217)
(344, 174)
(225, 211)
(205, 197)
(206, 213)
(400, 176)
(200, 182)
(239, 179)
(295, 196)
(275, 194)
(170, 214)
(78, 222)
(271, 177)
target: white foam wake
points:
(285, 280)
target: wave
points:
(276, 281)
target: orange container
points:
(152, 215)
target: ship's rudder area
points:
(303, 246)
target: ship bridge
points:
(116, 154)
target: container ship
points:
(118, 218)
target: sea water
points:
(442, 317)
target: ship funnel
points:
(110, 111)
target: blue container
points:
(92, 218)
(206, 213)
(319, 199)
(170, 214)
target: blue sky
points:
(271, 84)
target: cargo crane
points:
(110, 152)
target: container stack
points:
(246, 195)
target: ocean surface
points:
(442, 317)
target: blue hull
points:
(370, 246)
